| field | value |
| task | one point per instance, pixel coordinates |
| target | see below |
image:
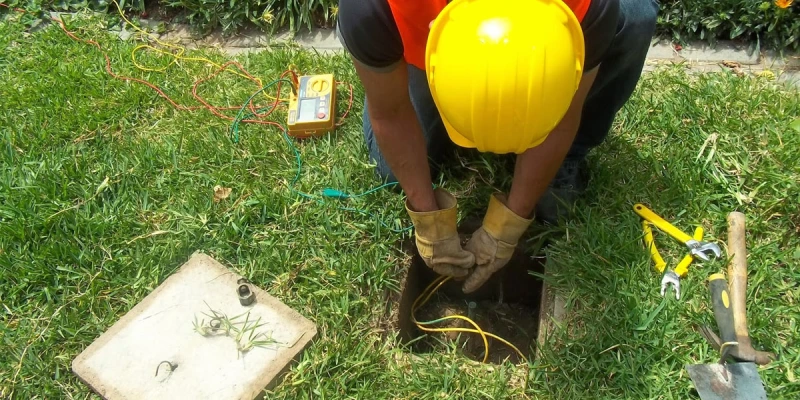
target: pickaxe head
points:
(702, 250)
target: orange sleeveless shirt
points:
(413, 17)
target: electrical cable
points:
(176, 56)
(426, 295)
(215, 110)
(256, 116)
(327, 192)
(240, 117)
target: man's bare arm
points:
(398, 132)
(536, 167)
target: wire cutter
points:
(673, 276)
(698, 248)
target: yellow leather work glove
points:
(437, 237)
(494, 242)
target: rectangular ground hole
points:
(508, 305)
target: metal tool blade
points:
(711, 336)
(727, 381)
(703, 250)
(671, 279)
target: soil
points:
(514, 322)
(507, 306)
(155, 11)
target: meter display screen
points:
(307, 108)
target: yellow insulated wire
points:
(426, 295)
(176, 56)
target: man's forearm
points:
(398, 132)
(403, 147)
(535, 169)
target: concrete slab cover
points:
(127, 361)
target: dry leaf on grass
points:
(221, 193)
(731, 64)
(735, 67)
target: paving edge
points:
(698, 57)
(250, 40)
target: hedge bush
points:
(764, 22)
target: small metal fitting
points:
(471, 307)
(245, 293)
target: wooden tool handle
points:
(737, 273)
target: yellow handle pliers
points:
(697, 247)
(673, 276)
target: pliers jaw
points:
(702, 250)
(672, 277)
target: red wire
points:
(205, 105)
(349, 105)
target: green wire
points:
(375, 189)
(328, 192)
(239, 115)
(235, 135)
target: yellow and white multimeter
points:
(311, 111)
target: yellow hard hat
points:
(503, 73)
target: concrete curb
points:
(726, 56)
(253, 40)
(326, 40)
(696, 56)
(723, 52)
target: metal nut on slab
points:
(246, 295)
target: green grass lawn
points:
(105, 189)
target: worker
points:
(539, 79)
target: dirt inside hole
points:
(508, 305)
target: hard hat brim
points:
(461, 141)
(456, 137)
